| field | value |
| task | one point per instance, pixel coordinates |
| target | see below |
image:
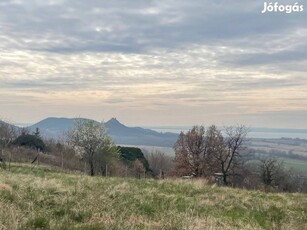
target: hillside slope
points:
(40, 198)
(53, 127)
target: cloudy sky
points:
(146, 62)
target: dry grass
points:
(44, 199)
(5, 187)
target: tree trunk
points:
(91, 167)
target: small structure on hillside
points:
(189, 177)
(218, 178)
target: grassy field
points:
(44, 199)
(298, 165)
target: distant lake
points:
(254, 132)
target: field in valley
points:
(41, 198)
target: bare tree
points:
(160, 163)
(7, 135)
(90, 138)
(203, 153)
(270, 169)
(190, 150)
(215, 147)
(228, 155)
(139, 168)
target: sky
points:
(146, 62)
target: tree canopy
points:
(130, 154)
(204, 152)
(29, 140)
(92, 142)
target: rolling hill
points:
(56, 127)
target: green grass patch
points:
(39, 222)
(299, 165)
(42, 199)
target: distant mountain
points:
(53, 127)
(122, 134)
(15, 128)
(3, 123)
(57, 127)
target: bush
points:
(32, 141)
(130, 154)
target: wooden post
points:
(106, 170)
(126, 171)
(62, 160)
(2, 159)
(10, 161)
(37, 156)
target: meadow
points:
(44, 198)
(297, 165)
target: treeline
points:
(106, 159)
(223, 157)
(217, 156)
(253, 153)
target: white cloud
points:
(208, 61)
